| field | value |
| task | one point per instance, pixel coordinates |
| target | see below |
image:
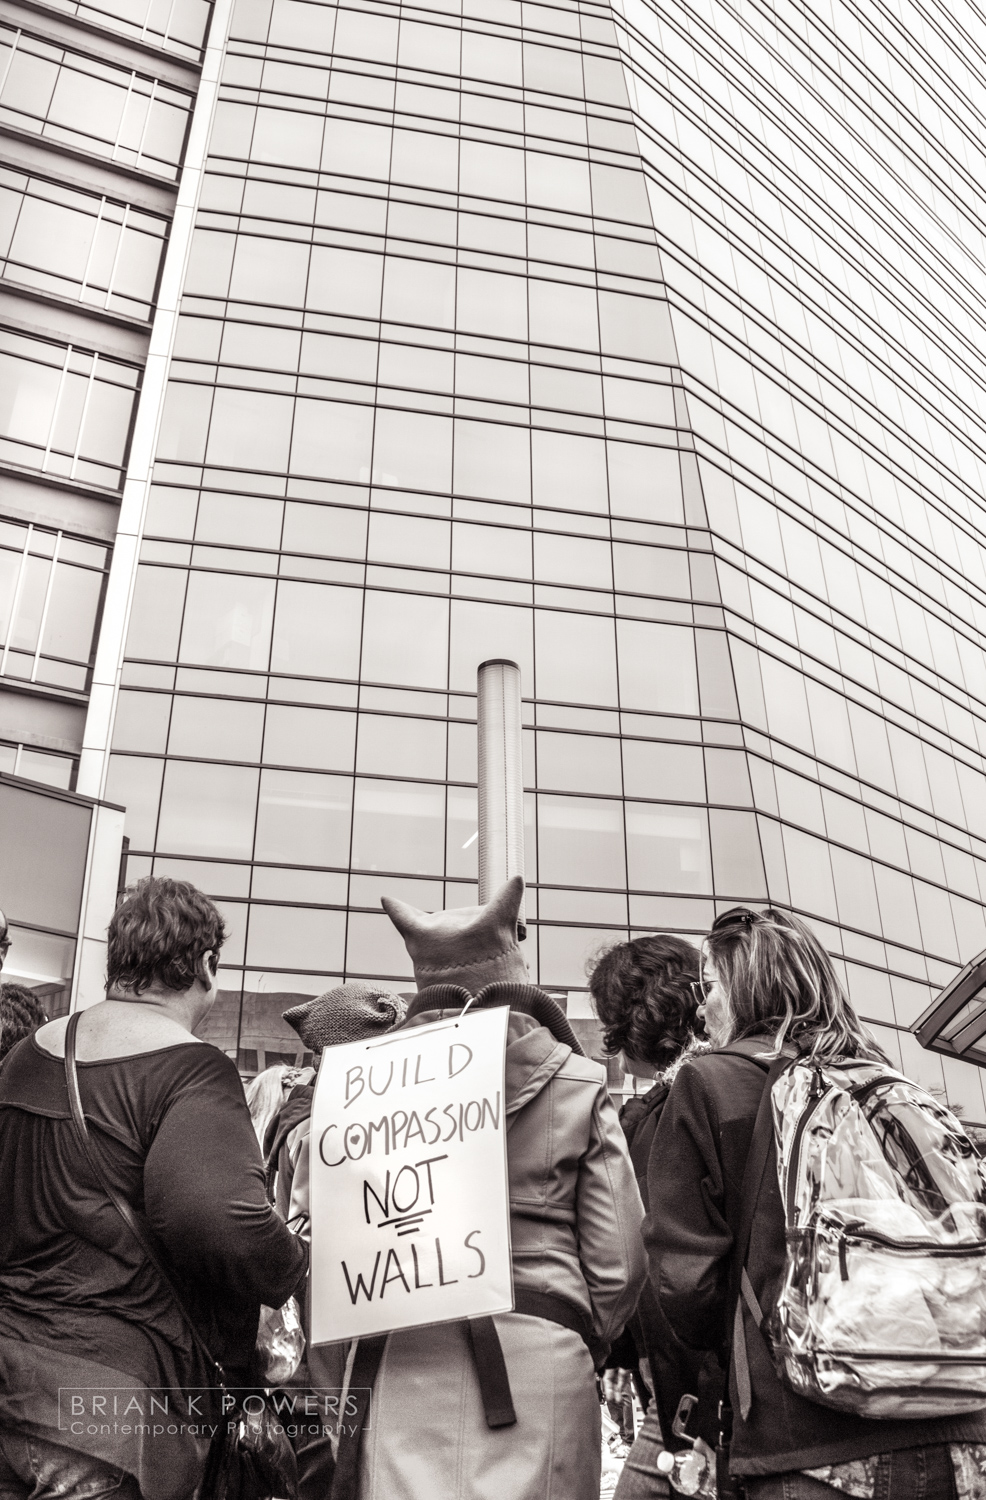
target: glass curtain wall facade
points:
(95, 108)
(638, 344)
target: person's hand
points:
(616, 1386)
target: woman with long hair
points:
(266, 1093)
(772, 990)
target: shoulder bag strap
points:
(121, 1205)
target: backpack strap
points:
(741, 1288)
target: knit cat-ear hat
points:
(472, 946)
(346, 1014)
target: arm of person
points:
(205, 1197)
(608, 1218)
(686, 1235)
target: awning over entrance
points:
(956, 1022)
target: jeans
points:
(907, 1474)
(640, 1479)
(33, 1469)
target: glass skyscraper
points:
(640, 344)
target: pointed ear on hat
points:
(504, 905)
(407, 919)
(469, 946)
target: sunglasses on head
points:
(744, 918)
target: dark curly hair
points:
(159, 934)
(21, 1013)
(643, 996)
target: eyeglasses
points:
(700, 989)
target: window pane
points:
(228, 620)
(304, 819)
(317, 630)
(405, 640)
(325, 530)
(332, 440)
(136, 785)
(208, 809)
(657, 667)
(736, 856)
(410, 540)
(492, 461)
(576, 658)
(669, 772)
(72, 611)
(375, 947)
(51, 770)
(580, 842)
(572, 559)
(668, 849)
(729, 778)
(250, 430)
(319, 738)
(645, 482)
(413, 451)
(569, 472)
(401, 747)
(243, 520)
(141, 721)
(268, 270)
(400, 827)
(573, 762)
(462, 844)
(651, 570)
(216, 728)
(155, 618)
(281, 937)
(497, 550)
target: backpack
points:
(882, 1306)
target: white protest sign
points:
(409, 1199)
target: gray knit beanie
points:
(346, 1014)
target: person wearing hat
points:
(506, 1408)
(349, 1013)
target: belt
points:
(491, 1371)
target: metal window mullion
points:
(116, 257)
(45, 606)
(123, 113)
(82, 419)
(15, 602)
(167, 25)
(92, 247)
(10, 59)
(58, 405)
(147, 121)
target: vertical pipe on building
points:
(501, 779)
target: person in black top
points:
(644, 994)
(769, 984)
(102, 1388)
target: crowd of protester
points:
(156, 1217)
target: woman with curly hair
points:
(646, 995)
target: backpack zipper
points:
(930, 1247)
(816, 1094)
